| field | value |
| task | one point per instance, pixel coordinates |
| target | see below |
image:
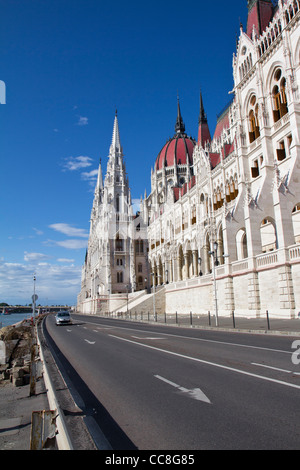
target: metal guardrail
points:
(47, 417)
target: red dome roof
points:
(178, 150)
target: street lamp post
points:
(214, 255)
(153, 283)
(154, 307)
(199, 264)
(34, 299)
(127, 301)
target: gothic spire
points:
(99, 185)
(179, 126)
(203, 129)
(202, 115)
(116, 144)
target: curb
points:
(262, 331)
(62, 437)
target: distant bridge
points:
(26, 309)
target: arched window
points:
(280, 107)
(218, 198)
(119, 244)
(254, 130)
(194, 215)
(241, 244)
(268, 235)
(296, 222)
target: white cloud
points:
(72, 244)
(82, 121)
(34, 257)
(70, 231)
(90, 176)
(55, 284)
(37, 231)
(76, 163)
(65, 260)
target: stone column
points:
(179, 270)
(286, 290)
(196, 268)
(253, 294)
(229, 295)
(186, 265)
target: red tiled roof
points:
(215, 159)
(222, 124)
(203, 134)
(227, 150)
(192, 182)
(176, 193)
(259, 16)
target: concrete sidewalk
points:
(263, 325)
(271, 326)
(16, 407)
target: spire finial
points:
(202, 115)
(179, 126)
(116, 144)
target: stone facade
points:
(116, 260)
(223, 215)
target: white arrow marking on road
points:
(196, 393)
(213, 364)
(90, 342)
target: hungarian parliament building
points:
(221, 226)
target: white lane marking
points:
(143, 337)
(69, 331)
(90, 342)
(214, 364)
(201, 339)
(195, 393)
(275, 368)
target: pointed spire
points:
(116, 144)
(202, 115)
(179, 126)
(203, 130)
(99, 185)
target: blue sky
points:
(67, 65)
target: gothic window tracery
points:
(280, 107)
(254, 129)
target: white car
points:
(63, 318)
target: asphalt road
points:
(154, 387)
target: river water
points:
(13, 318)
